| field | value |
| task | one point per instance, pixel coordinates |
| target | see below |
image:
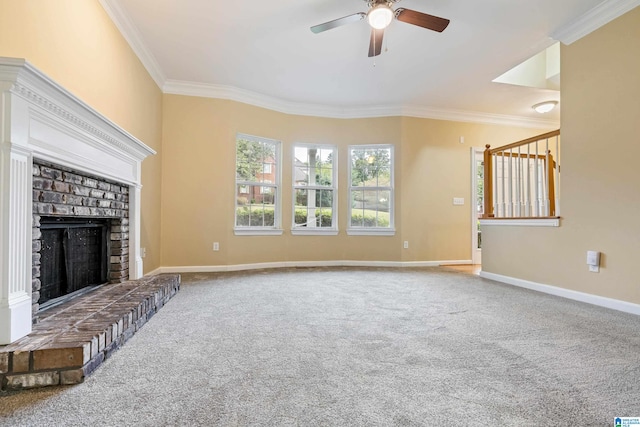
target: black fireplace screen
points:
(74, 255)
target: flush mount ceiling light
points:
(545, 107)
(380, 16)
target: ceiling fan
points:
(380, 15)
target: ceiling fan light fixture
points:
(545, 107)
(380, 16)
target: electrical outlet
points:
(216, 246)
(143, 252)
(406, 244)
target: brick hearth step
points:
(71, 340)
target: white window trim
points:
(306, 231)
(277, 215)
(255, 231)
(371, 231)
(314, 232)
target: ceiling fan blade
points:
(338, 22)
(423, 20)
(375, 44)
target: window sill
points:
(314, 232)
(371, 231)
(247, 231)
(522, 222)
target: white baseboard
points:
(154, 272)
(456, 262)
(611, 303)
(288, 264)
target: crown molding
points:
(594, 19)
(133, 37)
(176, 87)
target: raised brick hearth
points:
(73, 339)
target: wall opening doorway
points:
(477, 202)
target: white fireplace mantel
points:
(40, 119)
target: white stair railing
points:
(522, 179)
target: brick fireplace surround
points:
(59, 157)
(60, 192)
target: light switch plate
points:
(593, 257)
(458, 201)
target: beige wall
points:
(198, 194)
(601, 178)
(188, 194)
(75, 43)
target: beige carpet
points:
(357, 347)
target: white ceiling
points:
(263, 52)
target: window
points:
(257, 185)
(314, 189)
(263, 189)
(371, 189)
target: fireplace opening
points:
(74, 258)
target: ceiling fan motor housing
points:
(372, 3)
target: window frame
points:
(249, 230)
(302, 231)
(372, 231)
